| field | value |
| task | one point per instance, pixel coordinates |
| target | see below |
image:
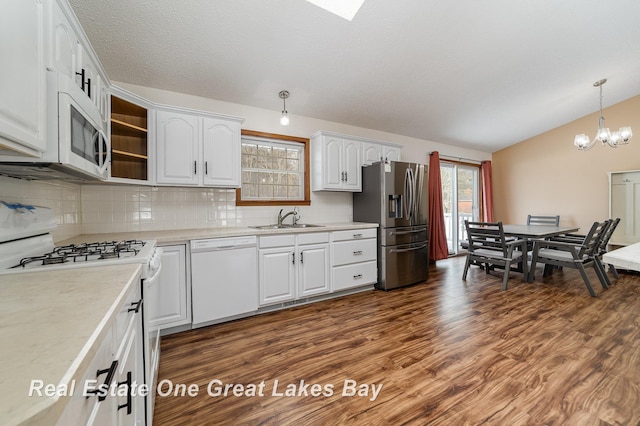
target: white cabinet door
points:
(313, 270)
(131, 407)
(351, 165)
(276, 270)
(390, 153)
(171, 292)
(178, 148)
(332, 156)
(64, 44)
(371, 153)
(221, 152)
(23, 77)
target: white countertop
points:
(180, 236)
(624, 258)
(51, 326)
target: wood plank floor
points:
(445, 352)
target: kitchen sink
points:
(271, 226)
(297, 225)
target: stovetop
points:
(87, 252)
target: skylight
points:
(346, 9)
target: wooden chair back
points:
(543, 220)
(486, 235)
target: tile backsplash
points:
(109, 208)
(62, 197)
(95, 209)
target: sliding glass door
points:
(460, 199)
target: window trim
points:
(306, 175)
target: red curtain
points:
(487, 191)
(437, 235)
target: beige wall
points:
(548, 175)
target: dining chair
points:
(488, 247)
(602, 247)
(543, 220)
(572, 255)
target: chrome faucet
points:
(293, 212)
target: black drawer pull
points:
(129, 398)
(357, 235)
(357, 277)
(357, 252)
(137, 306)
(103, 389)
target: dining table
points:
(525, 233)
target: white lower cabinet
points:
(171, 296)
(292, 266)
(118, 366)
(353, 258)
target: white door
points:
(333, 172)
(23, 76)
(221, 153)
(351, 164)
(460, 200)
(178, 148)
(170, 296)
(313, 270)
(276, 268)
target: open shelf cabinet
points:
(129, 152)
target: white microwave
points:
(77, 145)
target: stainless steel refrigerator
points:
(394, 195)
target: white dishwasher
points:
(224, 278)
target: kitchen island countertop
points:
(52, 324)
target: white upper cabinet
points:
(22, 77)
(197, 149)
(373, 152)
(221, 153)
(336, 162)
(178, 148)
(71, 55)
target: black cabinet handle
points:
(206, 167)
(137, 306)
(103, 390)
(89, 88)
(293, 258)
(301, 257)
(129, 398)
(195, 167)
(81, 74)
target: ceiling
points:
(477, 74)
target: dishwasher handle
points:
(222, 244)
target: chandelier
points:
(604, 135)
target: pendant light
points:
(604, 135)
(284, 119)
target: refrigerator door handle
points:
(408, 195)
(409, 249)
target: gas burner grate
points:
(86, 252)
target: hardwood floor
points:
(445, 352)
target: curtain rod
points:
(458, 158)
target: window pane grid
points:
(272, 171)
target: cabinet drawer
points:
(346, 252)
(356, 275)
(313, 238)
(354, 234)
(277, 241)
(124, 316)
